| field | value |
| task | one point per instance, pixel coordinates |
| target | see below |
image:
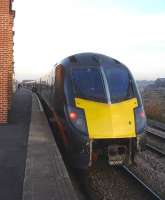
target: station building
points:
(6, 57)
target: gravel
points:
(112, 183)
(150, 168)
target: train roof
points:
(90, 59)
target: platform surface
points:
(46, 177)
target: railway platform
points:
(46, 177)
(31, 166)
(13, 146)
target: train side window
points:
(88, 83)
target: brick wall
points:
(6, 57)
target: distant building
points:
(6, 57)
(26, 83)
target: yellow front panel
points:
(109, 120)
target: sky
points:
(48, 31)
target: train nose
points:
(106, 121)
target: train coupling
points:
(116, 154)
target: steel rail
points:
(157, 125)
(154, 148)
(155, 196)
(155, 132)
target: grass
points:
(154, 104)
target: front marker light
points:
(77, 117)
(73, 116)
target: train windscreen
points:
(88, 84)
(119, 83)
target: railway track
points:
(148, 190)
(125, 173)
(117, 183)
(155, 132)
(156, 139)
(156, 124)
(155, 149)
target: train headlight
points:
(77, 117)
(140, 120)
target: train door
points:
(59, 91)
(59, 103)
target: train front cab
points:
(104, 113)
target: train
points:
(96, 108)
